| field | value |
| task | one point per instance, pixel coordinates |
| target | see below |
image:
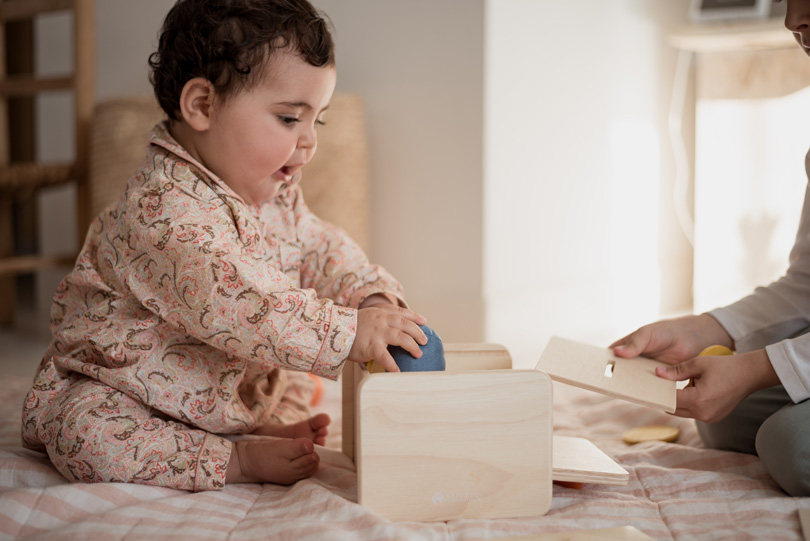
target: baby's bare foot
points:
(272, 460)
(314, 429)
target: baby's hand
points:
(384, 325)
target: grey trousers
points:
(768, 424)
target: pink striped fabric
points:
(676, 491)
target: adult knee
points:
(729, 434)
(783, 445)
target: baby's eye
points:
(288, 120)
(320, 122)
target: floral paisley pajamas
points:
(189, 316)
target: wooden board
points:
(584, 365)
(459, 356)
(622, 533)
(804, 520)
(579, 460)
(476, 356)
(450, 445)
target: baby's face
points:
(797, 20)
(260, 139)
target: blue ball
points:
(432, 359)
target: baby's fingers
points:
(404, 312)
(407, 341)
(387, 362)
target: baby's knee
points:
(432, 359)
(78, 437)
(784, 448)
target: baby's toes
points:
(306, 465)
(294, 449)
(319, 422)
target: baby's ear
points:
(195, 103)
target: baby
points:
(201, 300)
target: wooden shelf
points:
(736, 36)
(28, 85)
(32, 263)
(12, 10)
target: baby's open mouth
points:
(285, 174)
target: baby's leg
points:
(98, 434)
(783, 444)
(272, 460)
(291, 417)
(315, 429)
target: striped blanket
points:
(676, 491)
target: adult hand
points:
(673, 340)
(719, 383)
(382, 325)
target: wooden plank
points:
(11, 10)
(449, 445)
(31, 263)
(620, 533)
(27, 85)
(84, 103)
(8, 285)
(804, 520)
(579, 460)
(733, 36)
(458, 356)
(476, 356)
(347, 390)
(751, 75)
(597, 369)
(20, 177)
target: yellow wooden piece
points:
(642, 434)
(374, 367)
(715, 350)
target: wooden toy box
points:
(471, 442)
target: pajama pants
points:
(95, 433)
(768, 424)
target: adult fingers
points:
(684, 402)
(680, 371)
(632, 345)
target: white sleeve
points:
(775, 317)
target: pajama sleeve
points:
(202, 267)
(335, 266)
(774, 317)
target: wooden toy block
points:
(579, 460)
(598, 369)
(474, 441)
(454, 444)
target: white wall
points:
(577, 156)
(419, 64)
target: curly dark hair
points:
(228, 42)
